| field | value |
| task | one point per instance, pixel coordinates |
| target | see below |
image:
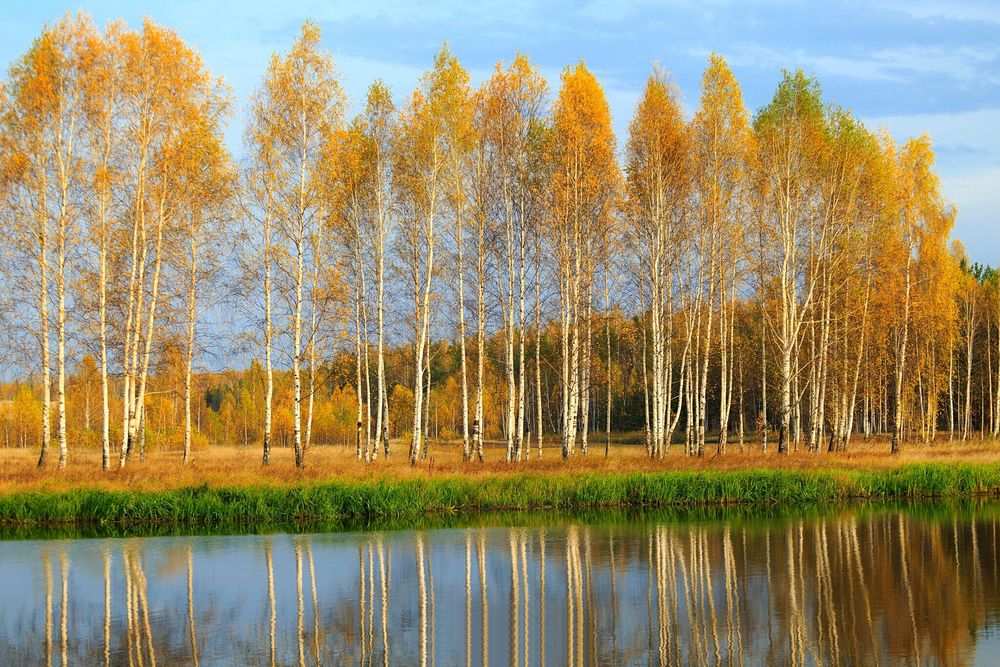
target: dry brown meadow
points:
(236, 466)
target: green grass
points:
(391, 503)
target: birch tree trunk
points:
(996, 393)
(143, 324)
(478, 427)
(607, 340)
(63, 230)
(849, 427)
(42, 224)
(380, 306)
(459, 234)
(706, 347)
(645, 380)
(383, 202)
(540, 425)
(357, 348)
(422, 312)
(103, 200)
(585, 369)
(951, 386)
(297, 331)
(970, 333)
(522, 447)
(102, 280)
(268, 338)
(507, 306)
(189, 348)
(900, 365)
(313, 332)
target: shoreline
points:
(337, 504)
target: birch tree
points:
(43, 121)
(919, 207)
(380, 126)
(720, 139)
(425, 143)
(166, 88)
(513, 128)
(658, 174)
(203, 212)
(296, 110)
(789, 132)
(101, 90)
(461, 139)
(583, 186)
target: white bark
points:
(268, 337)
(459, 237)
(43, 310)
(900, 363)
(422, 300)
(189, 351)
(540, 423)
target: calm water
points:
(854, 586)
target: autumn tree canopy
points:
(467, 263)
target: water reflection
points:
(858, 587)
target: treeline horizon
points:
(487, 252)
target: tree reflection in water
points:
(857, 586)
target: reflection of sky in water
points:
(772, 593)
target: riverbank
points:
(393, 500)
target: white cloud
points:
(966, 131)
(898, 64)
(968, 150)
(987, 10)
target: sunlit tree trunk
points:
(478, 426)
(459, 234)
(314, 301)
(380, 316)
(189, 347)
(996, 392)
(357, 348)
(522, 446)
(645, 374)
(540, 422)
(607, 340)
(970, 335)
(102, 110)
(43, 311)
(369, 444)
(586, 362)
(422, 321)
(900, 361)
(507, 304)
(65, 157)
(268, 339)
(144, 325)
(299, 276)
(845, 437)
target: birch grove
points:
(470, 266)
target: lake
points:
(851, 585)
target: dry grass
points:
(237, 467)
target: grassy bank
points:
(391, 502)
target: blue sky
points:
(910, 65)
